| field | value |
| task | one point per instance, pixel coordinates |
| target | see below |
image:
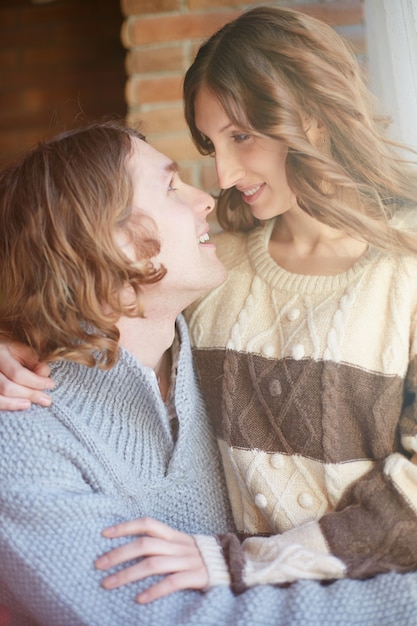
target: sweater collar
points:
(276, 276)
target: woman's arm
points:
(360, 539)
(372, 530)
(162, 550)
(23, 378)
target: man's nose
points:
(205, 202)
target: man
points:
(101, 247)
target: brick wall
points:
(61, 62)
(65, 61)
(161, 37)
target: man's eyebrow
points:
(172, 166)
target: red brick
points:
(178, 146)
(139, 31)
(145, 91)
(166, 59)
(141, 7)
(209, 177)
(338, 13)
(197, 5)
(159, 120)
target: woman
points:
(307, 354)
(314, 355)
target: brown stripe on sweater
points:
(327, 411)
(235, 560)
(373, 529)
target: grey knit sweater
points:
(104, 453)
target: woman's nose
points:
(229, 171)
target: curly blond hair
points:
(62, 273)
(270, 69)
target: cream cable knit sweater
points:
(312, 382)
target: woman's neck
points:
(301, 244)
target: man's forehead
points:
(148, 156)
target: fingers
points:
(14, 404)
(21, 365)
(155, 566)
(19, 386)
(163, 552)
(42, 369)
(169, 584)
(189, 573)
(14, 396)
(145, 547)
(144, 526)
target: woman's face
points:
(253, 164)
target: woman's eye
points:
(240, 137)
(171, 185)
(208, 146)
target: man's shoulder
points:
(29, 441)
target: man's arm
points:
(51, 519)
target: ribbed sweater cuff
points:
(212, 554)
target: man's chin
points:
(216, 280)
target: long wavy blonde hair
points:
(62, 273)
(272, 68)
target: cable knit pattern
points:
(311, 382)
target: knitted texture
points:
(103, 453)
(311, 383)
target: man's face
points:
(179, 212)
